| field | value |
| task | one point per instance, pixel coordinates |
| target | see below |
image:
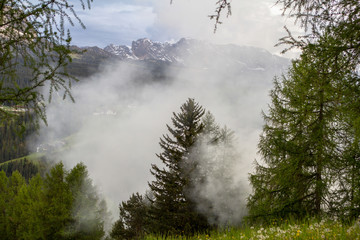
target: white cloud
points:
(254, 23)
(113, 22)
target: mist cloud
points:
(217, 187)
(117, 121)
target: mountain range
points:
(183, 53)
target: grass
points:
(33, 157)
(312, 229)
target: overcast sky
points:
(256, 23)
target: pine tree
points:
(171, 211)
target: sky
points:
(254, 23)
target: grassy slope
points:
(312, 229)
(33, 157)
(36, 157)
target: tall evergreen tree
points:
(171, 210)
(300, 140)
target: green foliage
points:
(34, 42)
(301, 137)
(24, 166)
(49, 208)
(58, 200)
(280, 229)
(171, 207)
(30, 205)
(310, 143)
(171, 211)
(14, 135)
(88, 212)
(133, 220)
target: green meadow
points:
(311, 229)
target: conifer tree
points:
(3, 201)
(30, 205)
(15, 185)
(171, 211)
(88, 214)
(58, 201)
(300, 141)
(133, 221)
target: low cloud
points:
(116, 123)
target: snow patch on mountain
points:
(208, 55)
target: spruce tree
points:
(171, 211)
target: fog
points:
(115, 124)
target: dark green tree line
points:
(14, 134)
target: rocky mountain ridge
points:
(188, 53)
(180, 52)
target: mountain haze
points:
(157, 55)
